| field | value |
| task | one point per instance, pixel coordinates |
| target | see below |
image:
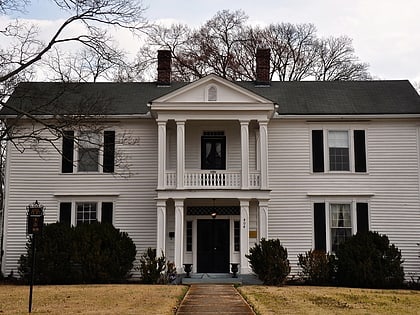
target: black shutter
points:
(359, 151)
(67, 153)
(109, 151)
(107, 212)
(317, 151)
(65, 213)
(362, 217)
(319, 226)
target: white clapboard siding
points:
(34, 178)
(392, 179)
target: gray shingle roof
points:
(293, 98)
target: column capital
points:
(244, 121)
(161, 121)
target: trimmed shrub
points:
(368, 260)
(88, 253)
(269, 261)
(317, 267)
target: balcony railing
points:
(203, 179)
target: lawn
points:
(161, 300)
(92, 299)
(327, 300)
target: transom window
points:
(340, 222)
(338, 145)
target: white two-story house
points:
(204, 170)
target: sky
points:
(385, 33)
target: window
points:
(86, 212)
(73, 213)
(342, 220)
(189, 236)
(213, 151)
(88, 160)
(338, 146)
(88, 152)
(344, 151)
(340, 223)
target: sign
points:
(35, 218)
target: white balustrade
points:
(202, 179)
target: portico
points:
(213, 145)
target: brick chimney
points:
(164, 67)
(263, 66)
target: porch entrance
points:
(213, 246)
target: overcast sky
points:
(385, 33)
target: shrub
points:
(88, 253)
(368, 260)
(317, 267)
(152, 268)
(269, 261)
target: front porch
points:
(211, 233)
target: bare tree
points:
(337, 61)
(226, 45)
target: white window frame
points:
(100, 140)
(328, 227)
(327, 150)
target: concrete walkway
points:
(209, 299)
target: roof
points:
(293, 98)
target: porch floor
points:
(220, 278)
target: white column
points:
(244, 235)
(161, 227)
(263, 219)
(180, 153)
(179, 235)
(245, 153)
(161, 154)
(264, 154)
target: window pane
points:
(88, 152)
(86, 212)
(341, 228)
(338, 143)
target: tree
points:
(25, 50)
(226, 45)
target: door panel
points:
(213, 246)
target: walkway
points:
(209, 299)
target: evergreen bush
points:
(368, 260)
(88, 253)
(317, 267)
(269, 261)
(155, 270)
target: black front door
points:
(213, 246)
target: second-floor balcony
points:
(209, 179)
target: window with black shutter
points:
(65, 213)
(109, 151)
(107, 212)
(359, 151)
(362, 217)
(319, 226)
(67, 152)
(318, 151)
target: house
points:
(211, 167)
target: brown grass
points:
(92, 299)
(328, 300)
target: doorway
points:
(213, 246)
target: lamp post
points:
(35, 223)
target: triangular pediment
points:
(212, 89)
